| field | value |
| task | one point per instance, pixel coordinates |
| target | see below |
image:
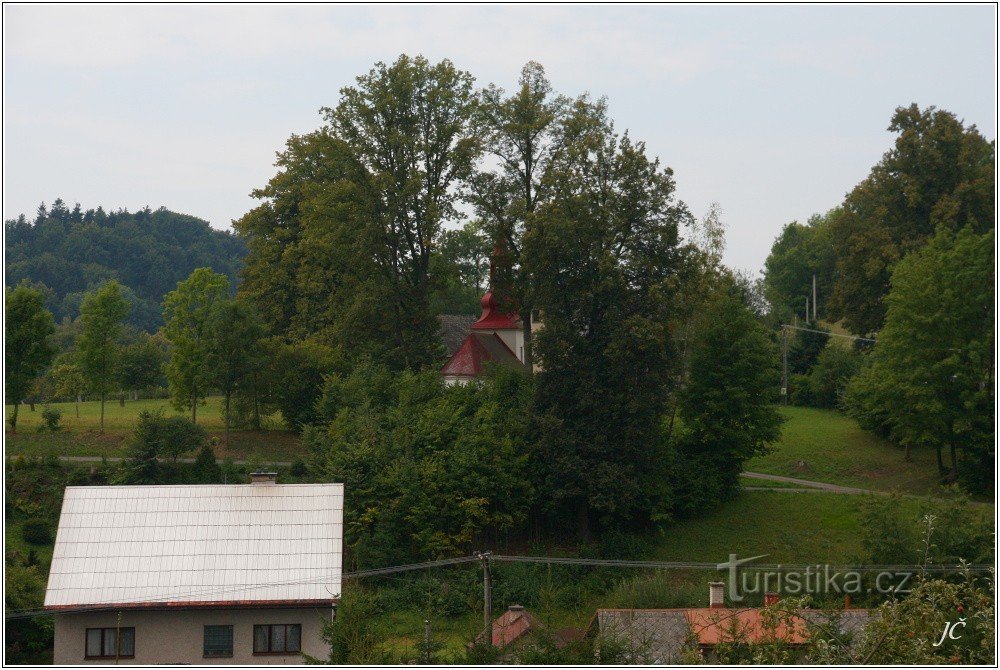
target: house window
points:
(277, 638)
(218, 641)
(110, 643)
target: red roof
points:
(492, 318)
(715, 625)
(477, 349)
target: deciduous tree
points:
(103, 311)
(27, 350)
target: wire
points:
(823, 332)
(558, 560)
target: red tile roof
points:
(715, 625)
(477, 349)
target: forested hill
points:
(71, 251)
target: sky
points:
(775, 112)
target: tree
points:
(602, 251)
(102, 313)
(234, 349)
(27, 348)
(158, 437)
(798, 254)
(824, 385)
(461, 269)
(407, 126)
(142, 363)
(188, 312)
(726, 406)
(932, 372)
(68, 379)
(939, 173)
(521, 132)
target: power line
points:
(556, 560)
(823, 332)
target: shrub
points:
(37, 532)
(51, 416)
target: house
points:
(676, 635)
(517, 626)
(202, 574)
(496, 337)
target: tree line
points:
(905, 262)
(67, 252)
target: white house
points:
(206, 574)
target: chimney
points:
(770, 599)
(263, 478)
(716, 597)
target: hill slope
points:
(71, 251)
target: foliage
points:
(99, 353)
(142, 360)
(155, 437)
(234, 350)
(799, 253)
(930, 382)
(461, 269)
(67, 377)
(825, 384)
(206, 468)
(940, 531)
(905, 631)
(939, 174)
(296, 376)
(521, 133)
(189, 312)
(355, 634)
(805, 348)
(51, 416)
(601, 251)
(341, 248)
(725, 408)
(27, 351)
(430, 468)
(37, 531)
(72, 252)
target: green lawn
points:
(80, 436)
(827, 446)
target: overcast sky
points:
(775, 112)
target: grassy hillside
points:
(827, 446)
(80, 436)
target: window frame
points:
(270, 636)
(118, 642)
(204, 638)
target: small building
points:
(517, 626)
(196, 574)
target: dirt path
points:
(808, 486)
(115, 459)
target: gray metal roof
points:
(215, 544)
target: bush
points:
(825, 384)
(37, 532)
(51, 416)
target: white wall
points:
(177, 636)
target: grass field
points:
(827, 446)
(80, 436)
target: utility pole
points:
(427, 641)
(807, 309)
(814, 296)
(484, 557)
(784, 365)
